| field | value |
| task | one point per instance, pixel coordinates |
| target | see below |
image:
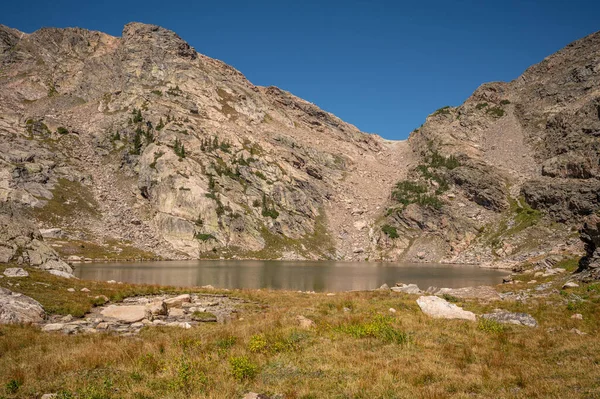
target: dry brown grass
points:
(347, 355)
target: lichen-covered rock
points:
(505, 317)
(17, 308)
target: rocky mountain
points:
(509, 175)
(140, 147)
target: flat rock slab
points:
(504, 317)
(484, 292)
(18, 308)
(127, 314)
(439, 308)
(15, 272)
(407, 289)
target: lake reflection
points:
(289, 275)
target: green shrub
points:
(157, 92)
(257, 344)
(243, 368)
(390, 231)
(490, 326)
(481, 105)
(204, 237)
(13, 386)
(496, 112)
(436, 160)
(443, 111)
(62, 130)
(504, 102)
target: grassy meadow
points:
(357, 348)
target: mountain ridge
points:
(151, 142)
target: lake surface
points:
(323, 276)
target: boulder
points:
(177, 301)
(505, 317)
(18, 308)
(407, 288)
(570, 284)
(61, 274)
(157, 308)
(15, 272)
(53, 327)
(483, 292)
(52, 233)
(127, 313)
(439, 308)
(305, 322)
(176, 312)
(384, 287)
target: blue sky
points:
(381, 65)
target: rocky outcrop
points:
(505, 165)
(19, 309)
(136, 313)
(564, 200)
(589, 265)
(21, 242)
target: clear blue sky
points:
(381, 65)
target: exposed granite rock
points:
(439, 308)
(484, 292)
(502, 316)
(18, 308)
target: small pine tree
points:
(215, 143)
(179, 148)
(137, 142)
(137, 115)
(149, 136)
(160, 124)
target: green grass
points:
(495, 112)
(364, 353)
(390, 231)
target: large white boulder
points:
(439, 308)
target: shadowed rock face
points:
(590, 235)
(140, 145)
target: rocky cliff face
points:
(507, 176)
(139, 146)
